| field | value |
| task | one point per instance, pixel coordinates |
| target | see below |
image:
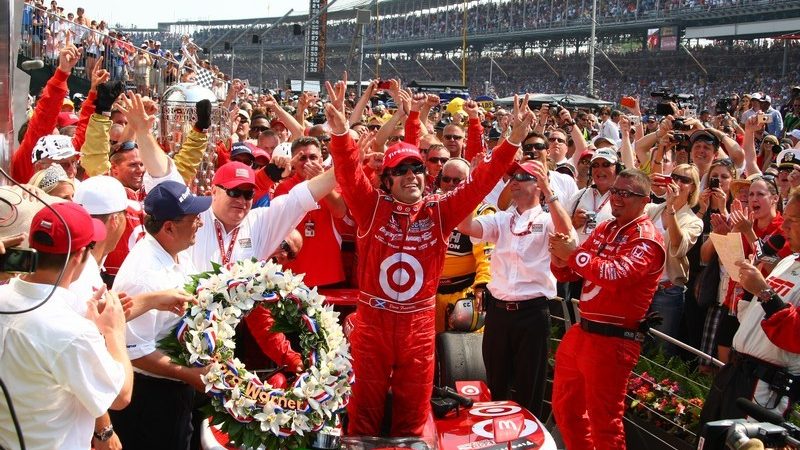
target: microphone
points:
(32, 64)
(758, 412)
(767, 250)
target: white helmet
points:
(463, 316)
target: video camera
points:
(724, 105)
(665, 97)
(771, 432)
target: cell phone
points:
(661, 179)
(713, 183)
(628, 102)
(384, 84)
(274, 172)
(18, 260)
(763, 118)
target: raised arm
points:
(156, 162)
(295, 129)
(358, 110)
(474, 132)
(750, 157)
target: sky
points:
(147, 13)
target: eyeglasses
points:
(453, 137)
(258, 128)
(373, 127)
(555, 139)
(123, 147)
(604, 164)
(538, 146)
(290, 254)
(681, 179)
(402, 169)
(624, 193)
(395, 138)
(236, 193)
(523, 176)
(311, 157)
(439, 160)
(454, 180)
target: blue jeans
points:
(669, 304)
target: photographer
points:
(764, 363)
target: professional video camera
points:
(725, 105)
(665, 97)
(739, 434)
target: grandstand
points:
(422, 40)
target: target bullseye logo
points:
(469, 390)
(582, 259)
(401, 276)
(494, 410)
(484, 428)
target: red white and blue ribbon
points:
(310, 323)
(180, 332)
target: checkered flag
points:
(204, 77)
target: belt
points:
(778, 379)
(455, 284)
(410, 306)
(521, 305)
(666, 285)
(607, 329)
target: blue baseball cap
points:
(171, 199)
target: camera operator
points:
(763, 367)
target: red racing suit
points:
(621, 266)
(401, 250)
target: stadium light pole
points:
(591, 48)
(305, 43)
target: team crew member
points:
(160, 410)
(401, 242)
(517, 314)
(620, 263)
(63, 370)
(764, 361)
(466, 265)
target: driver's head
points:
(403, 173)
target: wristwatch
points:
(766, 294)
(104, 434)
(552, 198)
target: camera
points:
(724, 434)
(554, 109)
(724, 105)
(19, 260)
(680, 138)
(665, 97)
(679, 125)
(713, 183)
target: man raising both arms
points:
(402, 238)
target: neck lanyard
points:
(225, 255)
(528, 229)
(603, 203)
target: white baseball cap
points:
(55, 147)
(101, 195)
(609, 154)
(795, 134)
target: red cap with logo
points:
(234, 174)
(399, 152)
(48, 234)
(66, 119)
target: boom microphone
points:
(758, 412)
(32, 64)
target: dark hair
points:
(639, 178)
(534, 134)
(52, 261)
(258, 116)
(153, 225)
(303, 142)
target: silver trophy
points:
(178, 115)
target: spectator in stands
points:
(454, 139)
(792, 118)
(775, 121)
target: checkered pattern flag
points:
(204, 77)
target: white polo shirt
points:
(259, 234)
(57, 369)
(84, 287)
(520, 263)
(150, 268)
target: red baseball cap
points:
(277, 122)
(66, 119)
(399, 152)
(234, 174)
(49, 235)
(526, 167)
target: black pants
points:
(515, 350)
(158, 417)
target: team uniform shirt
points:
(592, 201)
(57, 367)
(150, 268)
(321, 242)
(519, 254)
(259, 234)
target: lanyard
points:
(603, 203)
(226, 256)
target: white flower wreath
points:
(251, 411)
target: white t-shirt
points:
(57, 369)
(590, 200)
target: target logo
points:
(492, 409)
(469, 390)
(401, 276)
(485, 429)
(582, 259)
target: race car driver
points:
(620, 263)
(401, 239)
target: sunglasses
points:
(290, 254)
(538, 146)
(555, 139)
(259, 128)
(453, 137)
(681, 179)
(454, 180)
(305, 158)
(373, 127)
(438, 160)
(236, 193)
(402, 169)
(604, 164)
(395, 138)
(624, 193)
(523, 176)
(123, 147)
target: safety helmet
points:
(464, 316)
